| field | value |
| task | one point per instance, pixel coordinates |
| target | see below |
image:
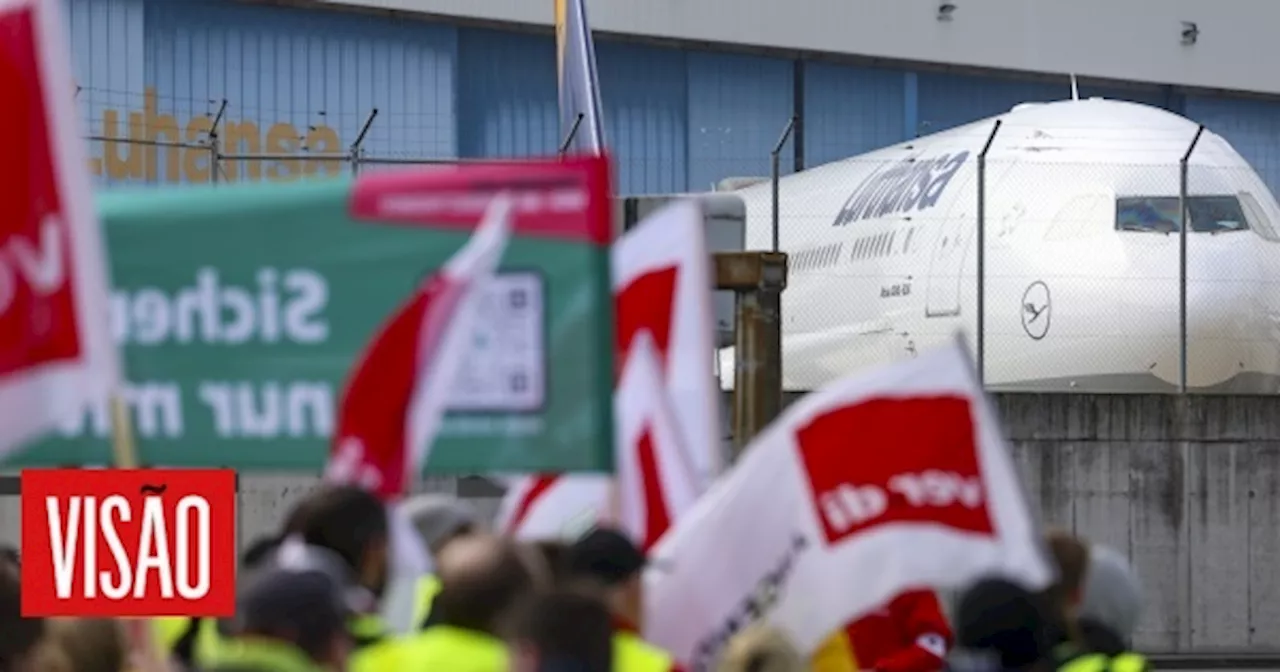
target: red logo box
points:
(128, 542)
(895, 461)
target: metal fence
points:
(216, 156)
(1069, 275)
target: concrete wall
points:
(1139, 40)
(1189, 487)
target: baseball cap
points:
(300, 587)
(608, 555)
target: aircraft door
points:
(956, 235)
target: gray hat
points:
(1112, 594)
(438, 517)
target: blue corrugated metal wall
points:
(949, 100)
(849, 111)
(506, 94)
(738, 106)
(677, 119)
(645, 93)
(107, 39)
(293, 80)
(507, 104)
(1251, 126)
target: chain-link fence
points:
(230, 152)
(147, 139)
(1061, 253)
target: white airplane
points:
(1082, 255)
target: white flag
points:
(876, 484)
(668, 448)
(56, 351)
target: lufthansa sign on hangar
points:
(1135, 40)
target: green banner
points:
(241, 309)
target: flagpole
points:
(124, 449)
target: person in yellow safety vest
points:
(1000, 626)
(192, 640)
(483, 577)
(439, 520)
(609, 557)
(353, 523)
(1109, 610)
(292, 613)
(567, 628)
(346, 520)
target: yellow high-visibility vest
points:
(1097, 662)
(168, 630)
(632, 654)
(427, 589)
(445, 647)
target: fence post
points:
(775, 162)
(356, 150)
(568, 138)
(215, 151)
(981, 317)
(1184, 223)
(757, 280)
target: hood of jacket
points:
(1112, 594)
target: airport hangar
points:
(694, 91)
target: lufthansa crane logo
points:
(1037, 310)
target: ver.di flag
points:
(662, 297)
(398, 392)
(881, 482)
(56, 352)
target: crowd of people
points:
(309, 596)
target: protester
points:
(9, 557)
(609, 557)
(439, 520)
(1111, 603)
(352, 522)
(191, 642)
(84, 645)
(18, 636)
(293, 614)
(1071, 556)
(760, 648)
(483, 579)
(909, 634)
(564, 630)
(556, 555)
(1002, 626)
(1108, 613)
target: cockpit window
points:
(1258, 220)
(1209, 214)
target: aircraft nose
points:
(1229, 332)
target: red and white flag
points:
(656, 477)
(878, 483)
(396, 397)
(56, 351)
(666, 414)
